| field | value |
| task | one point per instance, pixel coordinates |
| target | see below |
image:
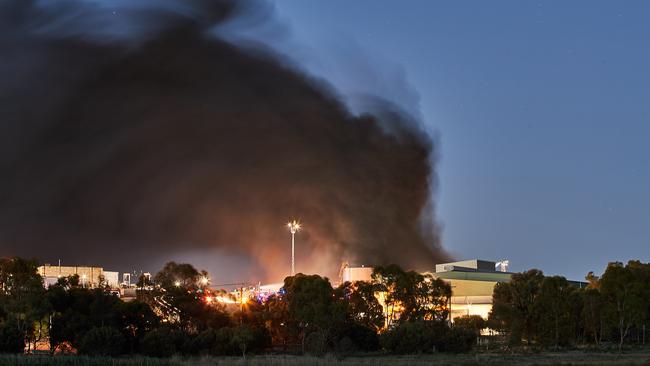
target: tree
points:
(363, 305)
(175, 275)
(513, 305)
(622, 293)
(11, 339)
(390, 282)
(282, 328)
(553, 311)
(311, 305)
(143, 282)
(641, 274)
(411, 295)
(22, 297)
(74, 281)
(77, 310)
(592, 312)
(252, 315)
(431, 298)
(181, 287)
(137, 319)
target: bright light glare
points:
(294, 226)
(177, 283)
(204, 280)
(224, 299)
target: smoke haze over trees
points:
(161, 138)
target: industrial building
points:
(350, 273)
(472, 283)
(88, 276)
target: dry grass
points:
(637, 358)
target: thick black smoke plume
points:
(124, 151)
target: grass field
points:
(636, 358)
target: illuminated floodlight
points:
(177, 283)
(294, 226)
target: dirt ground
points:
(479, 359)
(573, 358)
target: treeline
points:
(536, 310)
(176, 314)
(399, 312)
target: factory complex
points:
(92, 277)
(472, 282)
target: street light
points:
(204, 280)
(294, 227)
(177, 283)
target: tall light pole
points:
(294, 227)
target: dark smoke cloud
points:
(126, 148)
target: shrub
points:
(345, 347)
(413, 337)
(223, 343)
(361, 338)
(457, 340)
(102, 341)
(216, 342)
(11, 339)
(243, 338)
(474, 323)
(315, 343)
(162, 342)
(228, 341)
(203, 343)
(427, 336)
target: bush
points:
(243, 338)
(11, 339)
(203, 343)
(413, 337)
(162, 342)
(213, 342)
(457, 340)
(474, 323)
(315, 343)
(102, 341)
(223, 343)
(360, 338)
(427, 336)
(228, 341)
(345, 346)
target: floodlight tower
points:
(294, 227)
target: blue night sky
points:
(542, 109)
